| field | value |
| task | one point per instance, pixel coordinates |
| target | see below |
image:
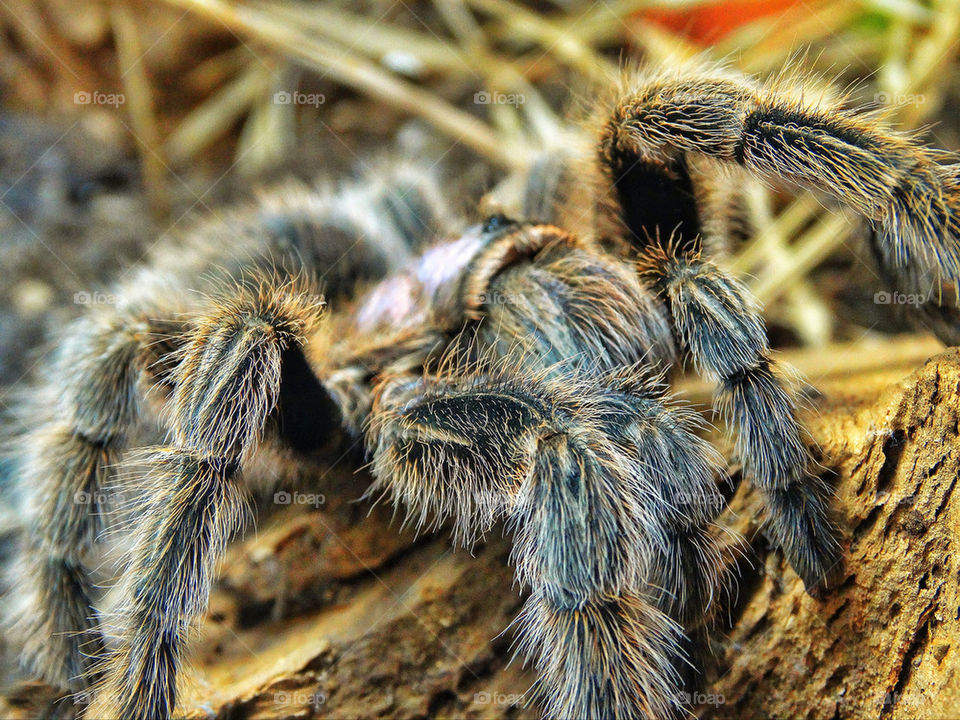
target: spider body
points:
(513, 371)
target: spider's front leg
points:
(665, 117)
(228, 382)
(723, 331)
(590, 538)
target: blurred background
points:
(120, 122)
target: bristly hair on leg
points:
(65, 464)
(718, 322)
(227, 384)
(780, 134)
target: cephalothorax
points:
(511, 371)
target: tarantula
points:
(511, 371)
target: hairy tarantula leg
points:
(65, 465)
(883, 175)
(678, 471)
(533, 451)
(227, 385)
(928, 311)
(718, 322)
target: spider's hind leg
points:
(723, 332)
(64, 463)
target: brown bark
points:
(883, 643)
(329, 612)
